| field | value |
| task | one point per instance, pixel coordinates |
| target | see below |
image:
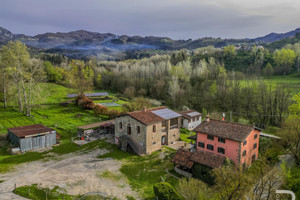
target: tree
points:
(15, 57)
(295, 107)
(137, 104)
(290, 137)
(284, 60)
(53, 75)
(231, 182)
(268, 70)
(33, 74)
(193, 189)
(5, 74)
(264, 178)
(165, 191)
(82, 76)
(229, 51)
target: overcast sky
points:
(178, 19)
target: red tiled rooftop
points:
(207, 158)
(182, 157)
(147, 117)
(23, 131)
(225, 129)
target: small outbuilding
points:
(31, 137)
(97, 129)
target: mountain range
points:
(85, 43)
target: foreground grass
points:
(38, 193)
(143, 172)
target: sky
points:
(177, 19)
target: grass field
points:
(48, 111)
(143, 172)
(291, 81)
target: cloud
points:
(173, 18)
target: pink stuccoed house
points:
(236, 141)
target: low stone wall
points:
(182, 172)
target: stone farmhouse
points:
(146, 131)
(190, 119)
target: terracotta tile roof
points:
(186, 112)
(147, 117)
(207, 158)
(225, 129)
(23, 131)
(182, 157)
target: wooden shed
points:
(32, 137)
(97, 129)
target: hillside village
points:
(212, 143)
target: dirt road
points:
(75, 173)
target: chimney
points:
(144, 108)
(207, 118)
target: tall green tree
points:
(284, 60)
(15, 57)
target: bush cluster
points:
(84, 102)
(165, 191)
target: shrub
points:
(100, 110)
(203, 173)
(85, 102)
(113, 113)
(80, 99)
(164, 191)
(88, 104)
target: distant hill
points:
(82, 43)
(272, 37)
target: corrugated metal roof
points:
(166, 113)
(99, 94)
(30, 130)
(193, 114)
(186, 114)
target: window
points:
(255, 146)
(253, 157)
(201, 144)
(174, 123)
(245, 142)
(222, 140)
(138, 129)
(221, 150)
(189, 121)
(210, 147)
(255, 136)
(120, 125)
(154, 128)
(244, 153)
(210, 137)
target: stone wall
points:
(139, 138)
(182, 172)
(148, 140)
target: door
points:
(128, 129)
(163, 140)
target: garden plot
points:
(110, 104)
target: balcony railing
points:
(174, 126)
